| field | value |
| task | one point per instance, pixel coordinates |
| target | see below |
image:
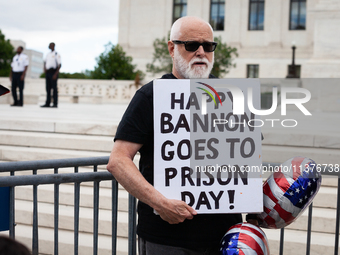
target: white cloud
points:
(65, 15)
(80, 29)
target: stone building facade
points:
(36, 61)
(263, 31)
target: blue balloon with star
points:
(244, 239)
(288, 192)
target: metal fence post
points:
(282, 236)
(132, 225)
(12, 210)
(336, 246)
(76, 213)
(309, 228)
(56, 215)
(35, 242)
(95, 213)
(114, 215)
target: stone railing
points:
(325, 93)
(76, 91)
(96, 91)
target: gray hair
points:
(175, 32)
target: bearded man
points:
(176, 229)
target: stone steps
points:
(302, 138)
(24, 218)
(24, 215)
(326, 198)
(295, 242)
(323, 220)
(66, 241)
(58, 126)
(329, 181)
(66, 196)
(272, 153)
(56, 141)
(64, 135)
(17, 153)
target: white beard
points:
(188, 71)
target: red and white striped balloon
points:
(288, 192)
(244, 239)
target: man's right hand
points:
(121, 166)
(176, 211)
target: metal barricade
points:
(96, 177)
(77, 178)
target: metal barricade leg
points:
(132, 225)
(35, 241)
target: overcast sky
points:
(79, 28)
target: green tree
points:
(224, 56)
(113, 63)
(82, 75)
(162, 62)
(6, 55)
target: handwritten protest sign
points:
(205, 154)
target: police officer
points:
(51, 68)
(17, 76)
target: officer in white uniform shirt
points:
(17, 76)
(51, 68)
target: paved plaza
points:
(86, 130)
(94, 113)
(320, 123)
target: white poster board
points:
(203, 153)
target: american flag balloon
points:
(244, 239)
(288, 192)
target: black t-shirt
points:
(204, 230)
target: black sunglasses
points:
(193, 45)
